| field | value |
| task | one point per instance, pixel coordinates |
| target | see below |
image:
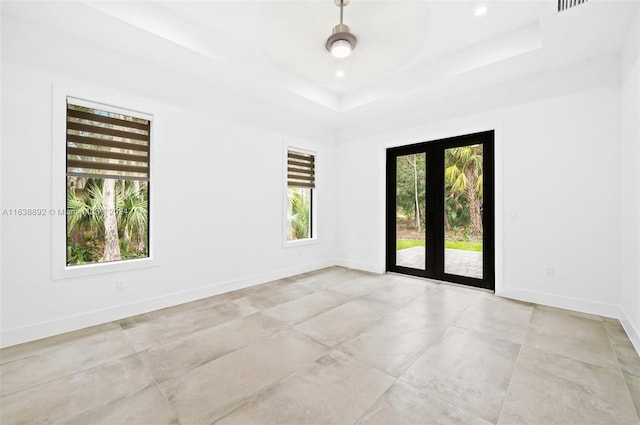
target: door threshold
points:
(442, 282)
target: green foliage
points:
(299, 214)
(124, 247)
(85, 220)
(466, 246)
(133, 214)
(460, 234)
(77, 254)
(463, 166)
(126, 255)
(85, 211)
(410, 181)
(408, 243)
(457, 210)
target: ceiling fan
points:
(341, 42)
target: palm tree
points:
(298, 214)
(133, 213)
(84, 212)
(463, 173)
(85, 223)
(111, 239)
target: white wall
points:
(630, 184)
(217, 189)
(557, 182)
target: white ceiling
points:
(407, 51)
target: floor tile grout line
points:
(193, 367)
(105, 405)
(491, 335)
(373, 403)
(421, 351)
(356, 334)
(249, 399)
(362, 416)
(166, 399)
(508, 389)
(208, 328)
(306, 318)
(151, 384)
(621, 371)
(563, 378)
(636, 407)
(442, 400)
(57, 340)
(616, 365)
(588, 364)
(369, 326)
(95, 408)
(68, 375)
(273, 385)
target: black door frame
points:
(434, 150)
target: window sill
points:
(300, 242)
(67, 272)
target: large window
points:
(107, 179)
(300, 187)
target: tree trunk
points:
(140, 240)
(447, 225)
(126, 235)
(474, 202)
(415, 191)
(111, 241)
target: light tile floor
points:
(335, 346)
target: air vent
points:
(568, 4)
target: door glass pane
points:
(463, 211)
(410, 210)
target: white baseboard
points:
(631, 330)
(568, 303)
(9, 337)
(575, 304)
(359, 265)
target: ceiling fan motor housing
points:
(341, 32)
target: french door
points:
(440, 219)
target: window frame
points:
(285, 203)
(104, 100)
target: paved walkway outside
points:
(456, 261)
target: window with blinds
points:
(106, 145)
(301, 182)
(108, 175)
(300, 169)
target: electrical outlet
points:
(550, 272)
(119, 285)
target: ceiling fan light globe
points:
(341, 49)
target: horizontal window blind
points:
(300, 169)
(105, 144)
(568, 4)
